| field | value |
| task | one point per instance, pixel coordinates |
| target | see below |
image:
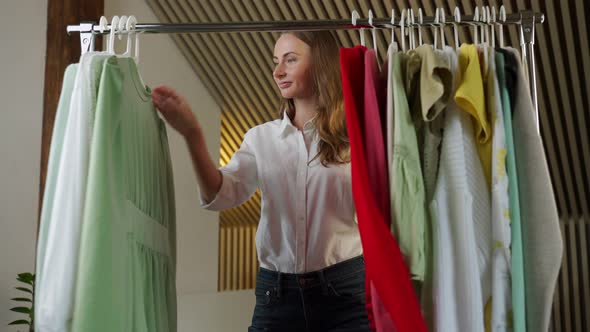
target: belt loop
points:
(279, 284)
(323, 282)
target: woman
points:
(311, 275)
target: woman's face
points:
(292, 58)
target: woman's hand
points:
(176, 110)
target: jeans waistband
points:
(310, 279)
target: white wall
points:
(22, 61)
(22, 56)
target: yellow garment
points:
(471, 98)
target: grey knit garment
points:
(542, 242)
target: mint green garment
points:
(57, 136)
(126, 270)
(518, 290)
(408, 224)
(62, 218)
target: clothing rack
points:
(526, 20)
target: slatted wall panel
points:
(237, 256)
(237, 69)
(571, 305)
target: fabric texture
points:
(377, 163)
(436, 82)
(383, 259)
(62, 217)
(126, 271)
(45, 279)
(408, 186)
(541, 236)
(517, 267)
(460, 212)
(501, 305)
(435, 91)
(471, 98)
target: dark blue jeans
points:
(328, 300)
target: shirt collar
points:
(286, 125)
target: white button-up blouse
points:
(307, 217)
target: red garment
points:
(374, 102)
(374, 143)
(385, 267)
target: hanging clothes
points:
(126, 273)
(408, 187)
(500, 314)
(435, 90)
(470, 97)
(434, 94)
(459, 207)
(508, 73)
(541, 238)
(105, 255)
(61, 220)
(384, 263)
(374, 98)
(48, 315)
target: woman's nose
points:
(279, 71)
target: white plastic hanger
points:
(484, 34)
(411, 29)
(435, 33)
(103, 24)
(356, 15)
(130, 29)
(502, 21)
(402, 24)
(373, 34)
(475, 29)
(373, 31)
(122, 25)
(393, 42)
(442, 18)
(482, 26)
(420, 20)
(493, 26)
(114, 27)
(488, 25)
(457, 16)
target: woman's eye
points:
(292, 60)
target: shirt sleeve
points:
(239, 179)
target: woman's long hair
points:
(330, 121)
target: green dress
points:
(126, 271)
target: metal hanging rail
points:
(343, 24)
(525, 19)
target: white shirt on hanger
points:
(461, 204)
(307, 217)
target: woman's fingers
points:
(166, 100)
